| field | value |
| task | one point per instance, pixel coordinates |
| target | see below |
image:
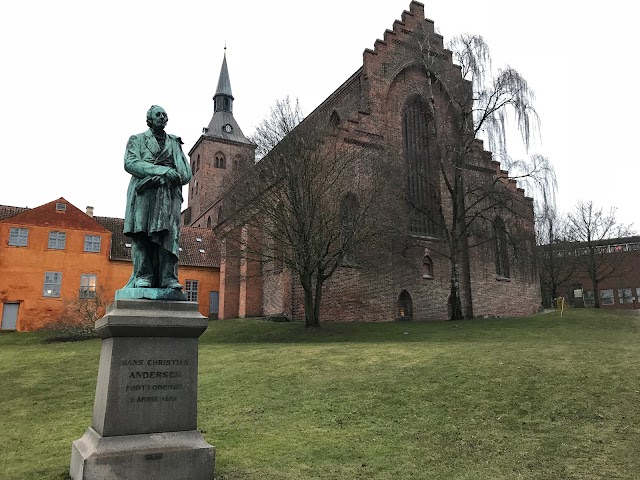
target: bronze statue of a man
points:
(158, 171)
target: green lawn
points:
(536, 398)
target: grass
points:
(535, 398)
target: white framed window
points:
(88, 283)
(625, 296)
(52, 283)
(191, 289)
(92, 243)
(18, 237)
(57, 240)
(61, 207)
(606, 297)
(589, 299)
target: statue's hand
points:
(172, 177)
(153, 181)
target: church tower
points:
(219, 155)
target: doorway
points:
(214, 302)
(9, 316)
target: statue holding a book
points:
(158, 169)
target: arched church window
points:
(502, 251)
(208, 222)
(349, 206)
(421, 174)
(427, 267)
(405, 306)
(220, 161)
(198, 163)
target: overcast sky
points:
(78, 77)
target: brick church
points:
(378, 107)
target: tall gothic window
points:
(421, 174)
(502, 252)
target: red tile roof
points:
(7, 211)
(199, 246)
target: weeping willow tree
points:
(483, 104)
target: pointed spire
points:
(223, 125)
(224, 87)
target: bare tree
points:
(310, 203)
(480, 104)
(555, 266)
(79, 315)
(591, 228)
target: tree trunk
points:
(455, 305)
(311, 317)
(316, 304)
(596, 294)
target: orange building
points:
(57, 252)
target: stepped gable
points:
(71, 218)
(189, 256)
(7, 211)
(363, 121)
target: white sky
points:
(77, 78)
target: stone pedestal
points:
(145, 411)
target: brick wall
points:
(370, 107)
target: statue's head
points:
(157, 117)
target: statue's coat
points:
(155, 211)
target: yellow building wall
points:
(22, 271)
(208, 278)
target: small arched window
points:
(334, 119)
(405, 306)
(208, 222)
(196, 191)
(220, 214)
(198, 163)
(220, 161)
(427, 267)
(502, 251)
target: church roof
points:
(217, 124)
(224, 84)
(223, 113)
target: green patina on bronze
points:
(158, 169)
